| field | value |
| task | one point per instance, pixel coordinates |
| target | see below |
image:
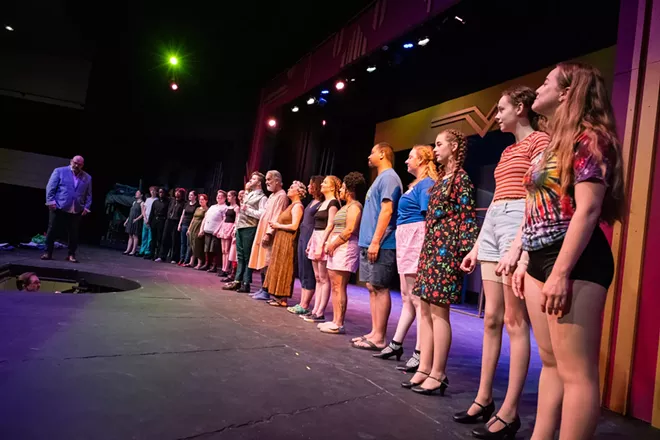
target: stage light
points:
(174, 86)
(272, 123)
(457, 18)
(322, 102)
(424, 41)
(325, 91)
(9, 28)
(323, 122)
(340, 85)
(352, 80)
(371, 69)
(408, 46)
(174, 61)
(295, 109)
(311, 101)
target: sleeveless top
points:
(340, 217)
(321, 216)
(230, 215)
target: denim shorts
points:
(380, 273)
(501, 225)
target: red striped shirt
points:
(514, 163)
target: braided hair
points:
(336, 185)
(426, 158)
(459, 138)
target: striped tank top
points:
(340, 218)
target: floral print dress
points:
(451, 231)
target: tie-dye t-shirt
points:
(548, 211)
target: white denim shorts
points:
(503, 220)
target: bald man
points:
(68, 197)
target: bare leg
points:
(408, 312)
(306, 298)
(372, 309)
(323, 288)
(135, 243)
(575, 341)
(490, 355)
(226, 246)
(551, 388)
(317, 274)
(426, 342)
(129, 244)
(516, 322)
(441, 345)
(339, 281)
(383, 306)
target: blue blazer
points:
(62, 190)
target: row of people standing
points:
(544, 259)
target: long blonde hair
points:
(587, 111)
(427, 165)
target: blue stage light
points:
(408, 46)
(325, 92)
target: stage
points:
(179, 359)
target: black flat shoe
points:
(409, 384)
(508, 432)
(484, 414)
(431, 391)
(390, 351)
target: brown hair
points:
(387, 150)
(24, 279)
(203, 195)
(301, 188)
(459, 138)
(425, 153)
(525, 95)
(316, 182)
(262, 177)
(232, 193)
(356, 184)
(587, 111)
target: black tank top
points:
(230, 215)
(321, 216)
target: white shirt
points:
(214, 217)
(147, 207)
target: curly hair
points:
(300, 187)
(525, 95)
(355, 184)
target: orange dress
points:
(280, 276)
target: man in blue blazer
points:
(68, 197)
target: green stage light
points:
(174, 61)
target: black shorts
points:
(380, 273)
(211, 243)
(596, 264)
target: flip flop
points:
(358, 339)
(275, 303)
(371, 346)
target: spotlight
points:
(424, 41)
(457, 18)
(174, 61)
(9, 28)
(323, 122)
(352, 80)
(272, 123)
(340, 85)
(408, 46)
(174, 86)
(371, 69)
(322, 102)
(295, 109)
(325, 91)
(311, 101)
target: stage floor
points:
(181, 359)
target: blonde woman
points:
(410, 230)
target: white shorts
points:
(501, 225)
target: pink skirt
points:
(409, 241)
(316, 243)
(226, 230)
(346, 257)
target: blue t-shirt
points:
(414, 202)
(387, 186)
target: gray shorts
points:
(380, 273)
(501, 225)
